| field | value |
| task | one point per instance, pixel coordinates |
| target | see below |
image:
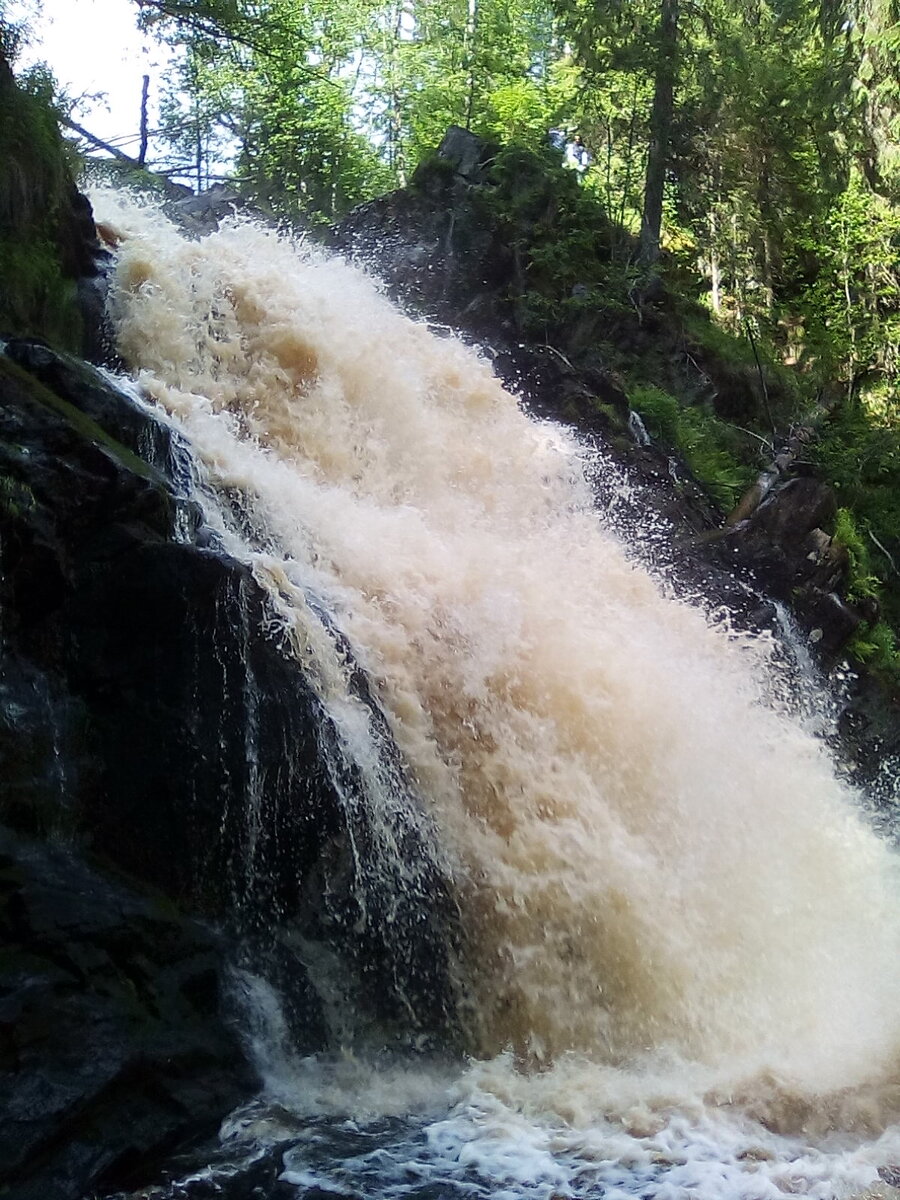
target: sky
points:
(94, 46)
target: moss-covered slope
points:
(47, 241)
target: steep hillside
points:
(726, 442)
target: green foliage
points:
(853, 305)
(731, 347)
(14, 28)
(862, 585)
(36, 298)
(859, 454)
(325, 103)
(274, 86)
(559, 238)
(875, 91)
(876, 646)
(875, 642)
(717, 453)
(787, 396)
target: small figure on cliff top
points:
(578, 156)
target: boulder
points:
(201, 214)
(113, 1050)
(467, 154)
(783, 544)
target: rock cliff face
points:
(50, 260)
(114, 1045)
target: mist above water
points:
(671, 898)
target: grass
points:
(718, 455)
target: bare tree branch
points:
(95, 141)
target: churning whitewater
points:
(681, 932)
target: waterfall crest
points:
(656, 867)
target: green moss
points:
(612, 415)
(433, 170)
(36, 297)
(659, 411)
(718, 454)
(730, 357)
(700, 327)
(16, 497)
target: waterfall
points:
(671, 900)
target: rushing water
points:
(682, 938)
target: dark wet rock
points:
(783, 544)
(831, 621)
(122, 430)
(783, 539)
(201, 214)
(466, 154)
(136, 658)
(113, 1051)
(144, 659)
(870, 729)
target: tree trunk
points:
(715, 273)
(660, 131)
(142, 155)
(768, 219)
(471, 33)
(95, 141)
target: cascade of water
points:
(374, 859)
(670, 896)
